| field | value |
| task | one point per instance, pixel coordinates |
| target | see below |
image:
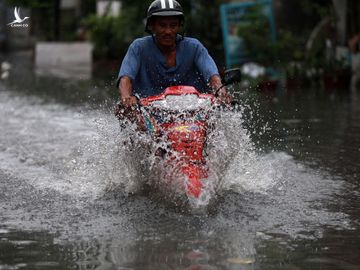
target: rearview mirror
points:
(232, 76)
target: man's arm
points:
(125, 109)
(128, 72)
(215, 84)
(125, 92)
(208, 69)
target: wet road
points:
(288, 199)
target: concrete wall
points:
(66, 60)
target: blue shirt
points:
(145, 65)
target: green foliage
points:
(101, 34)
(87, 7)
(312, 8)
(288, 53)
(283, 54)
(256, 35)
(112, 35)
(203, 22)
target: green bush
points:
(112, 35)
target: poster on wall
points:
(236, 15)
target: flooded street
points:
(288, 199)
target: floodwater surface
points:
(288, 191)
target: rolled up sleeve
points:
(205, 64)
(130, 64)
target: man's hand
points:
(125, 90)
(225, 97)
(222, 94)
(129, 101)
(126, 108)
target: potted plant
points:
(283, 55)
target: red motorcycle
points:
(177, 120)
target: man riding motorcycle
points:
(166, 58)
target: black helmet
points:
(164, 8)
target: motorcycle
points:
(178, 121)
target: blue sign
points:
(235, 14)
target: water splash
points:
(86, 155)
(125, 159)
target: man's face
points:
(166, 29)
